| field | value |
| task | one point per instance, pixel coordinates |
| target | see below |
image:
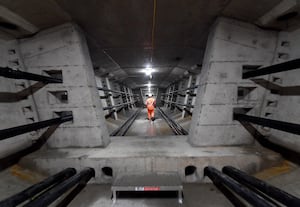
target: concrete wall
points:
(18, 112)
(64, 49)
(286, 107)
(231, 45)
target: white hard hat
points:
(150, 94)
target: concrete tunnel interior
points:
(75, 77)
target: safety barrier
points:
(254, 191)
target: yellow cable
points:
(153, 27)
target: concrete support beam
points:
(62, 51)
(17, 20)
(231, 46)
(282, 8)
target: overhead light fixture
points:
(148, 71)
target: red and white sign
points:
(147, 188)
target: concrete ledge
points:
(144, 154)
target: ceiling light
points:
(148, 71)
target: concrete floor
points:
(143, 127)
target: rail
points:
(177, 129)
(121, 131)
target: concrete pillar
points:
(111, 98)
(62, 51)
(14, 113)
(284, 108)
(127, 97)
(99, 82)
(189, 82)
(131, 97)
(197, 82)
(231, 46)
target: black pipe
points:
(186, 89)
(114, 91)
(229, 195)
(247, 194)
(277, 194)
(17, 74)
(179, 104)
(280, 125)
(14, 131)
(67, 200)
(281, 67)
(122, 104)
(37, 188)
(60, 189)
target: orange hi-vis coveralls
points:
(150, 103)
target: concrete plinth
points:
(144, 154)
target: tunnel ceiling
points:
(123, 39)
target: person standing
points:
(151, 104)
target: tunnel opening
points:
(197, 65)
(191, 174)
(190, 170)
(126, 112)
(107, 172)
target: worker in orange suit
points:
(151, 104)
